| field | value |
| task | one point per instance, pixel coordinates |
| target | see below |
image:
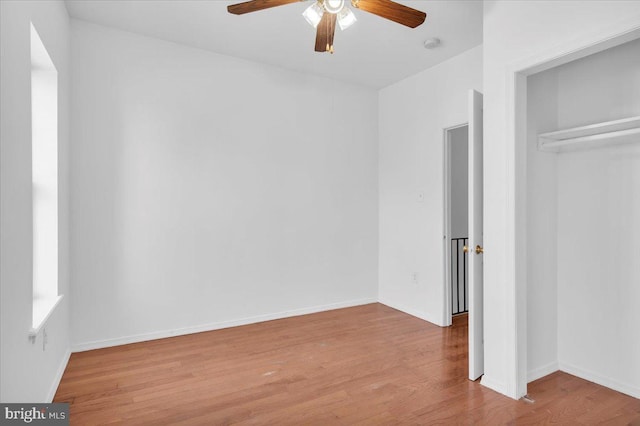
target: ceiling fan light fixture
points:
(346, 18)
(333, 6)
(313, 14)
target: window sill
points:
(42, 310)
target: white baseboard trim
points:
(413, 312)
(540, 372)
(625, 388)
(58, 376)
(99, 344)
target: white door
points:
(476, 338)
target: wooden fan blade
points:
(255, 5)
(325, 33)
(391, 10)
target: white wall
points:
(542, 230)
(598, 268)
(210, 191)
(413, 114)
(29, 371)
(513, 32)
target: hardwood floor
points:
(364, 365)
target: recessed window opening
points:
(44, 161)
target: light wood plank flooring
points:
(364, 365)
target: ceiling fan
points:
(323, 14)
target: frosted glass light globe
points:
(333, 6)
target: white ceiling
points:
(374, 51)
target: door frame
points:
(516, 219)
(446, 225)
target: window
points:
(44, 162)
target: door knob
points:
(479, 249)
(465, 249)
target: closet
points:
(583, 219)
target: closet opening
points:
(580, 159)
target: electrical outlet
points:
(421, 197)
(414, 277)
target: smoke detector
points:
(431, 43)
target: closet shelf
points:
(609, 133)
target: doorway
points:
(531, 140)
(581, 182)
(456, 149)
